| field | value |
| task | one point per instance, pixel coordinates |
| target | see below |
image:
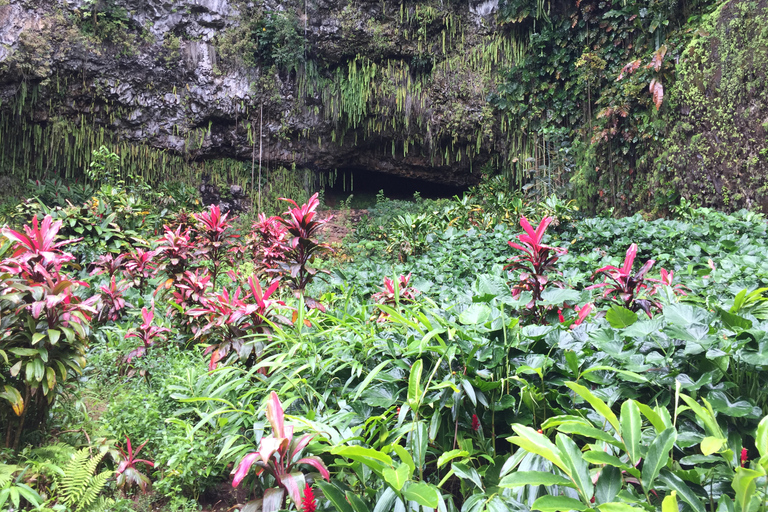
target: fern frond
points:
(59, 452)
(95, 487)
(6, 473)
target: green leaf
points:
(670, 503)
(577, 466)
(631, 425)
(414, 385)
(357, 504)
(600, 457)
(423, 494)
(369, 378)
(521, 478)
(396, 478)
(572, 427)
(448, 456)
(620, 317)
(744, 485)
(657, 456)
(549, 503)
(531, 441)
(53, 336)
(683, 491)
(335, 496)
(617, 507)
(386, 502)
(598, 405)
(761, 439)
(710, 445)
(476, 314)
(467, 473)
(608, 484)
(405, 457)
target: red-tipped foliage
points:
(269, 242)
(139, 266)
(215, 238)
(127, 473)
(627, 288)
(280, 455)
(175, 254)
(36, 252)
(536, 261)
(147, 333)
(233, 316)
(302, 230)
(109, 264)
(113, 305)
(391, 296)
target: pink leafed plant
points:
(36, 251)
(280, 455)
(215, 238)
(127, 473)
(535, 263)
(113, 304)
(147, 333)
(627, 288)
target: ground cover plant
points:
(516, 361)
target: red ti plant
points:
(232, 319)
(302, 230)
(536, 261)
(269, 241)
(215, 238)
(113, 304)
(175, 255)
(626, 288)
(139, 267)
(391, 294)
(36, 251)
(280, 456)
(108, 264)
(148, 334)
(127, 473)
(191, 292)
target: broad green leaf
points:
(405, 457)
(710, 445)
(657, 421)
(761, 439)
(578, 467)
(617, 507)
(334, 494)
(572, 427)
(620, 317)
(396, 478)
(369, 378)
(670, 503)
(467, 473)
(53, 336)
(706, 416)
(386, 502)
(608, 484)
(448, 456)
(683, 491)
(628, 376)
(744, 485)
(357, 504)
(657, 456)
(600, 457)
(423, 494)
(631, 425)
(476, 314)
(414, 385)
(549, 503)
(531, 441)
(521, 478)
(597, 404)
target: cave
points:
(364, 185)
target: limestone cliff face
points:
(396, 87)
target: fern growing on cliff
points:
(80, 486)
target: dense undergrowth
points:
(479, 353)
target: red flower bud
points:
(475, 423)
(743, 456)
(308, 503)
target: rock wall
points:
(394, 87)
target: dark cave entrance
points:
(364, 185)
